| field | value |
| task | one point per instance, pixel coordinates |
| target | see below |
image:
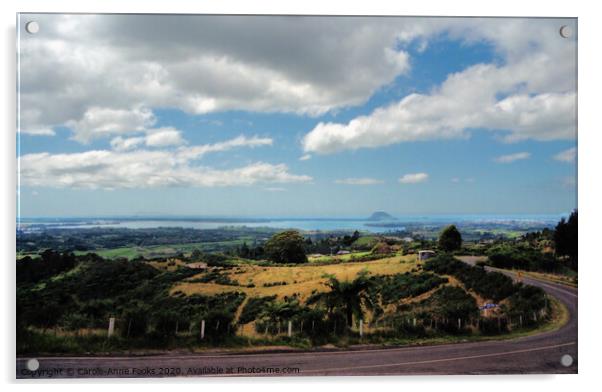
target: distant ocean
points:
(308, 224)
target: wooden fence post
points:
(202, 329)
(290, 328)
(111, 327)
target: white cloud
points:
(531, 94)
(275, 189)
(305, 157)
(141, 169)
(126, 167)
(519, 156)
(106, 80)
(567, 156)
(413, 178)
(163, 137)
(157, 137)
(121, 144)
(463, 102)
(83, 67)
(99, 122)
(194, 152)
(359, 181)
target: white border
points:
(590, 195)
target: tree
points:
(286, 247)
(565, 238)
(196, 255)
(450, 239)
(349, 296)
(382, 248)
(348, 240)
(244, 251)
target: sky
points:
(295, 116)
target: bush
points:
(164, 325)
(508, 256)
(215, 277)
(450, 302)
(527, 301)
(395, 287)
(134, 322)
(219, 325)
(253, 308)
(492, 285)
(50, 263)
(381, 248)
(493, 326)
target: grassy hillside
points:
(286, 281)
(161, 303)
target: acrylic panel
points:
(295, 195)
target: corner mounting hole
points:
(32, 27)
(566, 360)
(33, 364)
(566, 31)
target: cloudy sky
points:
(295, 116)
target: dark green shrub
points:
(254, 308)
(492, 285)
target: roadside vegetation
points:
(288, 289)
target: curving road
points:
(540, 353)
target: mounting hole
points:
(566, 360)
(33, 364)
(32, 27)
(566, 31)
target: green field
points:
(153, 251)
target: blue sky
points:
(417, 116)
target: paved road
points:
(534, 354)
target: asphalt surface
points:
(537, 354)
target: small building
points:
(425, 254)
(343, 252)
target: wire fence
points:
(397, 324)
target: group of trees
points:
(48, 264)
(290, 247)
(529, 252)
(565, 239)
(522, 257)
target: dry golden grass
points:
(301, 280)
(167, 264)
